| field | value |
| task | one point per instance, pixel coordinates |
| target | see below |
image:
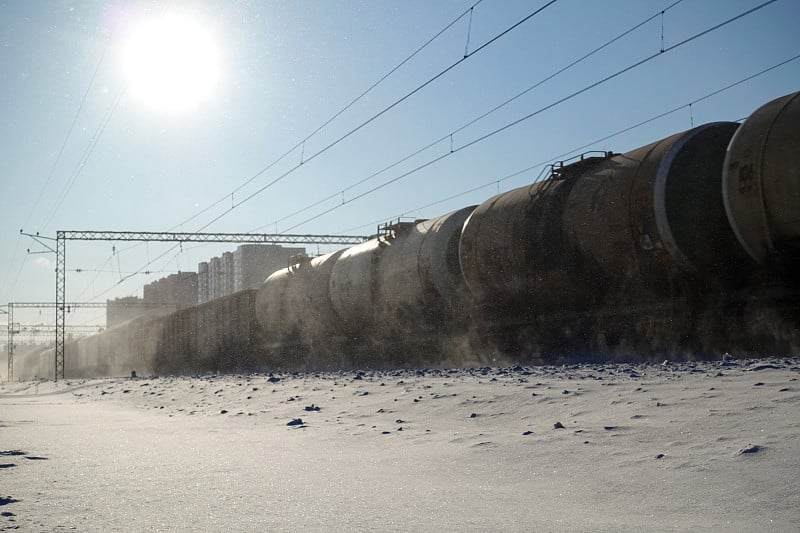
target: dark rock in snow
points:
(750, 449)
(764, 366)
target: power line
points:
(476, 119)
(335, 116)
(77, 114)
(84, 159)
(146, 272)
(587, 145)
(19, 272)
(361, 181)
(7, 276)
(534, 113)
(615, 75)
(97, 275)
(379, 114)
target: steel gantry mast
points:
(161, 236)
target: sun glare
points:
(172, 63)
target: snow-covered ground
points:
(675, 447)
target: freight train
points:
(687, 245)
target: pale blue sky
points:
(288, 67)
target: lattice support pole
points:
(60, 304)
(10, 347)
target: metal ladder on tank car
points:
(562, 170)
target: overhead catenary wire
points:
(476, 119)
(7, 278)
(19, 272)
(101, 271)
(381, 112)
(131, 274)
(97, 275)
(544, 164)
(84, 159)
(77, 115)
(301, 144)
(536, 112)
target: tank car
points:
(296, 315)
(653, 215)
(353, 286)
(419, 292)
(367, 304)
(761, 184)
(418, 277)
(513, 253)
(652, 220)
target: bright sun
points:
(172, 63)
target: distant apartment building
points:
(202, 282)
(176, 290)
(245, 268)
(226, 284)
(215, 275)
